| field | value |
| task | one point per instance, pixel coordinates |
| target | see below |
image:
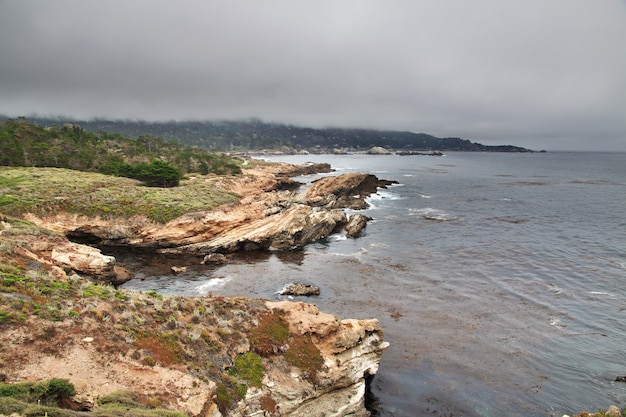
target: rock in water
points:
(178, 269)
(377, 150)
(301, 290)
(356, 223)
(213, 258)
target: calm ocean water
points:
(499, 280)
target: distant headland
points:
(256, 135)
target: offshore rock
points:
(301, 290)
(377, 150)
(214, 258)
(356, 224)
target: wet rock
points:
(214, 258)
(344, 191)
(356, 224)
(178, 269)
(301, 290)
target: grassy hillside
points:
(52, 190)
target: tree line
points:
(254, 134)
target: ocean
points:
(499, 280)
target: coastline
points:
(63, 319)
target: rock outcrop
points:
(377, 150)
(84, 259)
(344, 191)
(356, 224)
(301, 290)
(105, 342)
(262, 220)
(350, 350)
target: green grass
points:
(54, 190)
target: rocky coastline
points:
(62, 317)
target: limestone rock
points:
(293, 227)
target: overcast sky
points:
(545, 74)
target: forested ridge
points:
(253, 134)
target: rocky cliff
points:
(204, 356)
(261, 220)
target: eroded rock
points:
(84, 259)
(356, 224)
(351, 350)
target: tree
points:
(158, 173)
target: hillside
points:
(148, 158)
(256, 135)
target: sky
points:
(543, 74)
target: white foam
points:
(207, 286)
(607, 294)
(385, 195)
(337, 237)
(556, 322)
(429, 213)
(425, 196)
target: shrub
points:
(249, 367)
(46, 392)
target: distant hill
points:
(251, 135)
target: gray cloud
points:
(542, 74)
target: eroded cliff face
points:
(262, 220)
(351, 350)
(184, 353)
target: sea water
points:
(499, 280)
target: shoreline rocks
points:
(333, 358)
(262, 220)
